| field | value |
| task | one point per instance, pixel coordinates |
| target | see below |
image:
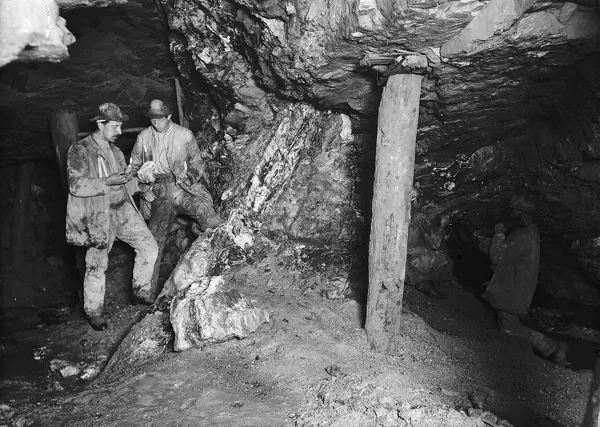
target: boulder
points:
(209, 311)
(192, 267)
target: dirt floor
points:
(310, 365)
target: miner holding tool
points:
(167, 161)
(100, 209)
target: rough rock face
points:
(303, 183)
(283, 98)
(193, 265)
(73, 4)
(209, 311)
(510, 101)
(149, 338)
(31, 30)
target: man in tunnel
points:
(428, 265)
(100, 209)
(167, 160)
(516, 260)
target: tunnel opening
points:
(472, 267)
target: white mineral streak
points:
(279, 158)
(346, 132)
(369, 16)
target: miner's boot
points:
(98, 322)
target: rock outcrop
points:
(209, 312)
(508, 103)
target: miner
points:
(428, 264)
(100, 209)
(167, 161)
(516, 259)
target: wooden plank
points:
(183, 121)
(592, 413)
(20, 210)
(64, 130)
(394, 172)
(371, 59)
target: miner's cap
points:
(158, 109)
(109, 112)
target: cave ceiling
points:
(510, 98)
(509, 102)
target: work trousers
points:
(511, 325)
(170, 201)
(128, 226)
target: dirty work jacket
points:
(88, 201)
(182, 155)
(517, 260)
(426, 260)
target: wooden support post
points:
(394, 172)
(20, 210)
(183, 121)
(592, 413)
(63, 129)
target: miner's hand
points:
(149, 195)
(118, 178)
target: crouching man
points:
(167, 160)
(100, 209)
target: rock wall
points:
(509, 103)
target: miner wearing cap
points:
(428, 265)
(516, 259)
(167, 161)
(100, 209)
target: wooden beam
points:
(183, 121)
(394, 172)
(592, 413)
(371, 59)
(400, 63)
(20, 211)
(64, 130)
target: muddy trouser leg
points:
(134, 231)
(199, 206)
(94, 279)
(511, 325)
(161, 219)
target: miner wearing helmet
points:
(516, 258)
(100, 209)
(167, 160)
(428, 264)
